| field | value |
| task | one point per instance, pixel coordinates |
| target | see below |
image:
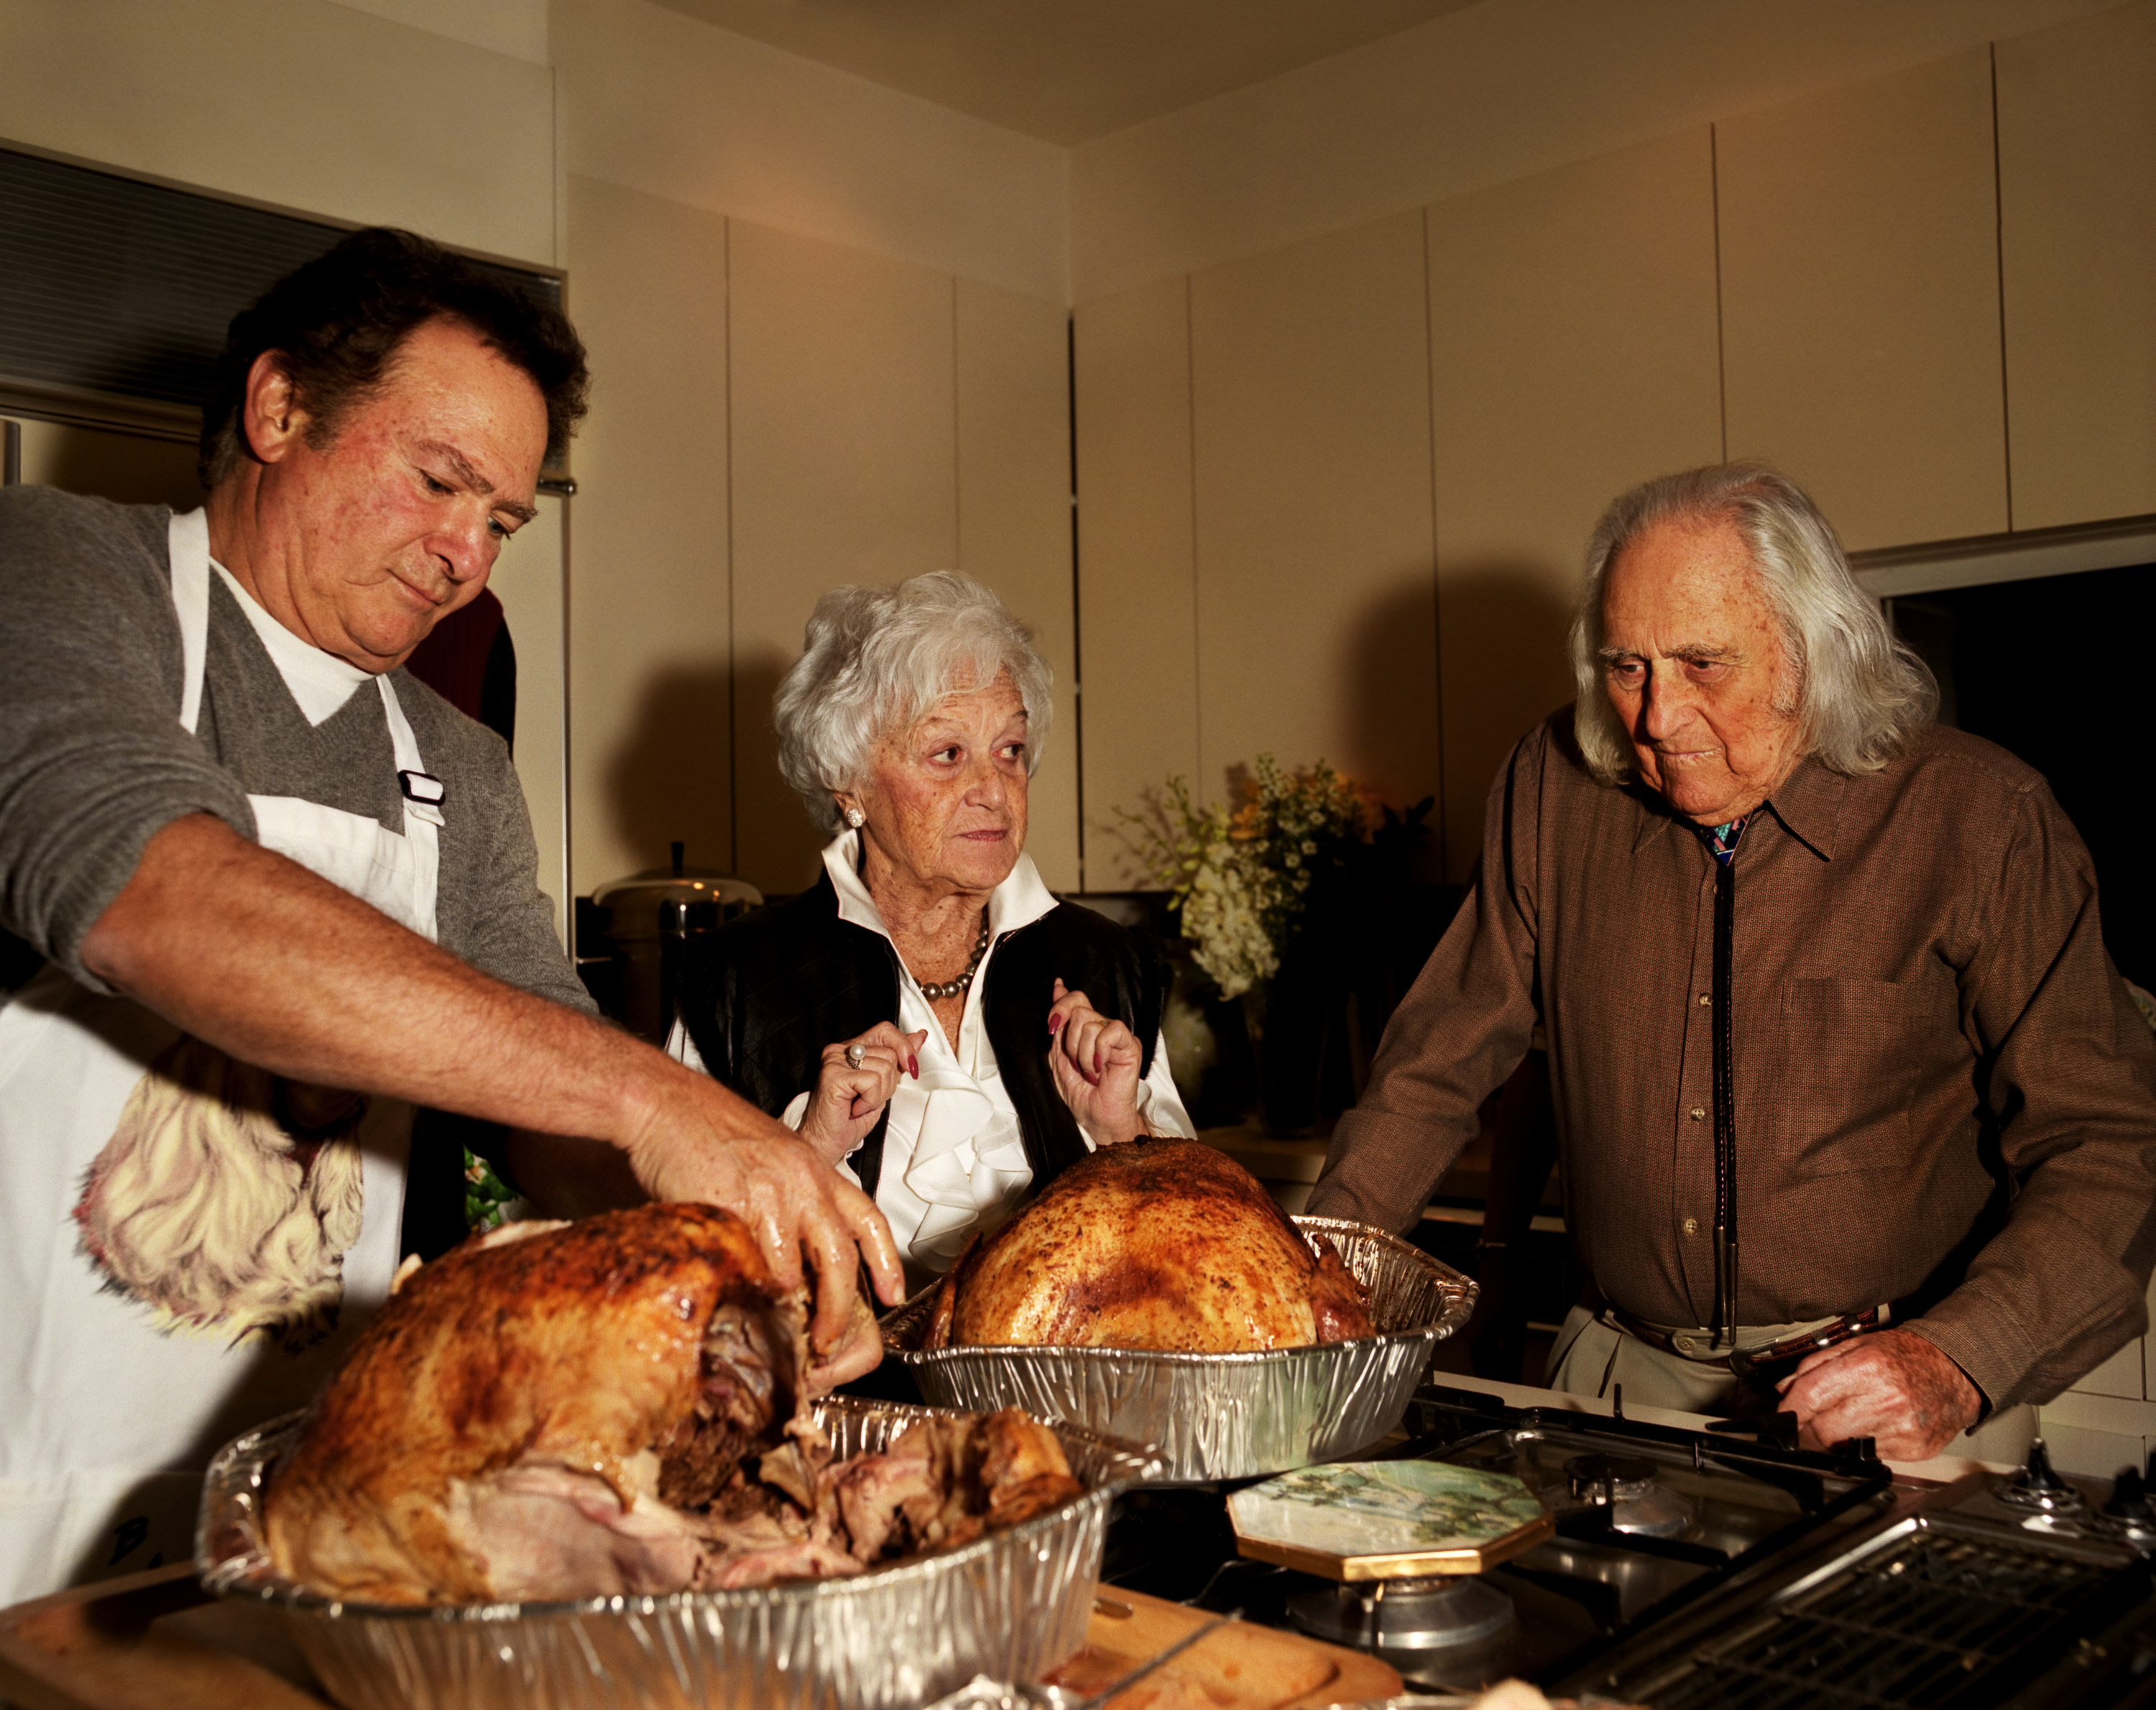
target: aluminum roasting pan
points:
(1222, 1416)
(1012, 1604)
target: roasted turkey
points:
(1160, 1244)
(615, 1405)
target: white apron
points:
(225, 1247)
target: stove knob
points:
(2036, 1485)
(2129, 1499)
(2037, 1475)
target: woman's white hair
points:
(874, 659)
(1856, 690)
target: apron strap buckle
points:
(423, 787)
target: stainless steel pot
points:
(632, 933)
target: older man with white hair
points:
(1857, 1118)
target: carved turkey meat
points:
(616, 1406)
(1160, 1244)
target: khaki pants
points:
(1590, 1357)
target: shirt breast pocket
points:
(1851, 1052)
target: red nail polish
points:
(913, 1066)
(1055, 1022)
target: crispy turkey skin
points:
(560, 1411)
(1159, 1244)
(507, 1425)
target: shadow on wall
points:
(669, 780)
(1392, 728)
(1501, 627)
(129, 469)
(778, 846)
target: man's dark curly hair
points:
(339, 321)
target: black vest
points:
(764, 996)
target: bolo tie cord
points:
(1725, 1110)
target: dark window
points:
(2055, 669)
(117, 287)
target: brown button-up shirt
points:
(1940, 1081)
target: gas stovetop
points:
(1699, 1568)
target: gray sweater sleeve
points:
(93, 762)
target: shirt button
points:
(1699, 1113)
(1691, 1225)
(1706, 1000)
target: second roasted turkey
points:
(1161, 1244)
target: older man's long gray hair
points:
(875, 659)
(1856, 690)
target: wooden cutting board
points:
(150, 1642)
(156, 1641)
(1239, 1666)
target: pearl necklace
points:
(936, 991)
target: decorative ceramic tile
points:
(1384, 1508)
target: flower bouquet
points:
(1246, 884)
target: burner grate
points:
(1909, 1628)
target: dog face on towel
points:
(226, 1199)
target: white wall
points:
(499, 125)
(663, 104)
(827, 329)
(1476, 98)
(306, 104)
(1816, 281)
(678, 137)
(517, 27)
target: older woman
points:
(928, 1017)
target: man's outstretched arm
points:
(259, 956)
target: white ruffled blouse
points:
(953, 1156)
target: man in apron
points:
(266, 892)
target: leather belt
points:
(1764, 1362)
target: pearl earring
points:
(856, 819)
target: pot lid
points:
(635, 901)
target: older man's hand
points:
(1893, 1386)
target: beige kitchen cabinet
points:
(1860, 301)
(1572, 354)
(886, 420)
(2077, 244)
(1014, 402)
(651, 740)
(1137, 588)
(1316, 610)
(844, 407)
(531, 579)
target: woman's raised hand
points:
(1097, 1063)
(856, 1081)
